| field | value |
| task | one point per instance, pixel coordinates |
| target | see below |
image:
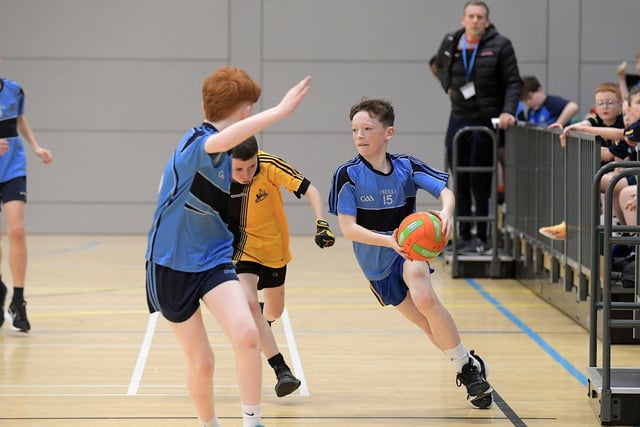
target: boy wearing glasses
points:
(608, 114)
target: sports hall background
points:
(112, 85)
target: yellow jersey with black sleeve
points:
(256, 213)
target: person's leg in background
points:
(463, 180)
(481, 155)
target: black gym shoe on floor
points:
(3, 296)
(287, 383)
(478, 389)
(18, 312)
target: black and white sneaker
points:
(18, 312)
(478, 389)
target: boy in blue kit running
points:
(371, 195)
(190, 248)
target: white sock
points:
(251, 415)
(213, 423)
(459, 356)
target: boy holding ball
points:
(371, 195)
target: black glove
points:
(324, 235)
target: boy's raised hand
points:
(294, 96)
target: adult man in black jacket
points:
(477, 67)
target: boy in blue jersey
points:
(14, 127)
(371, 195)
(190, 248)
(546, 110)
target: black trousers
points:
(472, 189)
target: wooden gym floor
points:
(95, 357)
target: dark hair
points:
(530, 84)
(377, 108)
(476, 3)
(246, 150)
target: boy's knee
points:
(273, 311)
(426, 302)
(246, 335)
(16, 231)
(203, 365)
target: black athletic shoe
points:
(3, 296)
(478, 389)
(18, 312)
(287, 383)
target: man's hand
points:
(324, 235)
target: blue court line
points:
(59, 251)
(527, 330)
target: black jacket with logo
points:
(495, 75)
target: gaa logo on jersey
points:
(367, 198)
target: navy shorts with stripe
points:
(14, 189)
(392, 290)
(177, 294)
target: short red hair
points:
(225, 89)
(609, 87)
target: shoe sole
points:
(483, 401)
(551, 236)
(287, 387)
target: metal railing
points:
(546, 184)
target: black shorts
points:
(14, 189)
(177, 294)
(267, 277)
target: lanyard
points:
(468, 67)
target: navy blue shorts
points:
(267, 277)
(14, 189)
(392, 290)
(177, 294)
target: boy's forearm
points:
(315, 201)
(25, 131)
(567, 113)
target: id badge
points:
(468, 90)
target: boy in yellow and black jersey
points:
(261, 239)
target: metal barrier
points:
(492, 218)
(544, 185)
(615, 391)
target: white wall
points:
(111, 86)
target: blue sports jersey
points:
(13, 163)
(380, 202)
(189, 231)
(549, 111)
